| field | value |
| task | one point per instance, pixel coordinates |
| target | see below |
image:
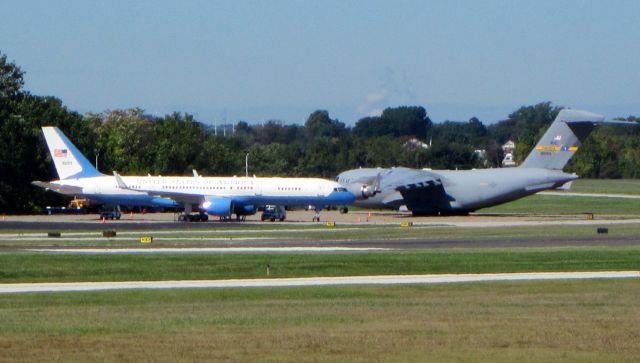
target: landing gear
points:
(316, 217)
(239, 217)
(113, 213)
(197, 217)
(344, 210)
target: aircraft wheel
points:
(344, 210)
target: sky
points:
(225, 61)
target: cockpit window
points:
(339, 189)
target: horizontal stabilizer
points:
(63, 189)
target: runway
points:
(311, 281)
(166, 222)
(91, 251)
(590, 195)
(84, 233)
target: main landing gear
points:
(193, 217)
(187, 216)
(230, 218)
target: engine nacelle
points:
(244, 210)
(361, 191)
(367, 191)
(217, 206)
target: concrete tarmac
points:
(312, 281)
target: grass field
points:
(606, 186)
(544, 204)
(25, 267)
(548, 204)
(558, 321)
(233, 237)
(489, 322)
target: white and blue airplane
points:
(217, 196)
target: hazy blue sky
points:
(262, 60)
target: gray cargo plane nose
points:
(441, 192)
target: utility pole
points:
(246, 165)
(97, 152)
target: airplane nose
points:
(349, 198)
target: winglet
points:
(119, 181)
(195, 173)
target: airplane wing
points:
(179, 197)
(421, 190)
(405, 179)
(62, 189)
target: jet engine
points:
(244, 210)
(361, 191)
(217, 206)
(367, 191)
(224, 207)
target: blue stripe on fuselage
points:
(133, 200)
(335, 198)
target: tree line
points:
(132, 142)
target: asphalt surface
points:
(165, 222)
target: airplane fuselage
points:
(466, 190)
(244, 190)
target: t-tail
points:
(563, 138)
(69, 161)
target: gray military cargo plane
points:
(445, 192)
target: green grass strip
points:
(27, 267)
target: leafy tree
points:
(11, 80)
(396, 122)
(319, 124)
(272, 160)
(24, 156)
(125, 140)
(275, 131)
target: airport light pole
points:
(246, 165)
(97, 152)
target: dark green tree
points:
(319, 124)
(396, 122)
(11, 80)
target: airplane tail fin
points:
(562, 139)
(69, 161)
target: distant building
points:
(508, 160)
(509, 147)
(415, 143)
(509, 150)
